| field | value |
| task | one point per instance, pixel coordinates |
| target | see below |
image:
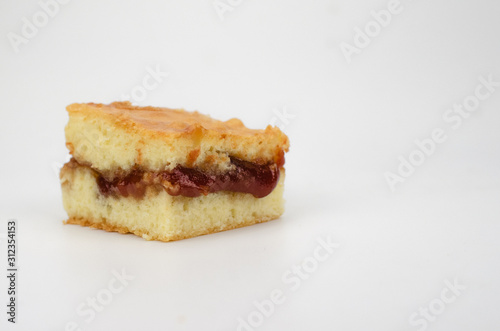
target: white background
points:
(352, 122)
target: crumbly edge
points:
(103, 225)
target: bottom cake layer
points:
(160, 216)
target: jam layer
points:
(245, 177)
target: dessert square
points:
(169, 174)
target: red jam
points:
(131, 185)
(246, 177)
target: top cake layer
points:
(119, 137)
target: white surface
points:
(352, 122)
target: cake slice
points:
(169, 174)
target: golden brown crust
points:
(174, 123)
(119, 137)
(104, 225)
(192, 156)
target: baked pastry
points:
(169, 174)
